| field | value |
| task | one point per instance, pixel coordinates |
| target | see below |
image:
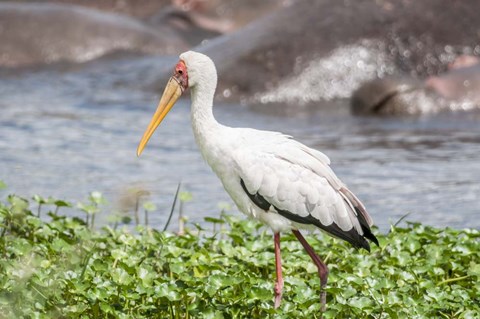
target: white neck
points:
(205, 126)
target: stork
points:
(269, 175)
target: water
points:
(67, 132)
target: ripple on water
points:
(62, 135)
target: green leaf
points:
(19, 205)
(185, 196)
(149, 206)
(146, 276)
(214, 220)
(419, 271)
(213, 314)
(89, 209)
(474, 269)
(121, 277)
(360, 302)
(96, 198)
(62, 203)
(119, 254)
(170, 291)
(39, 199)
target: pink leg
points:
(278, 268)
(322, 268)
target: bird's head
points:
(192, 69)
(201, 69)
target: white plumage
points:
(287, 174)
(269, 176)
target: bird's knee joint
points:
(323, 273)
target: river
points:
(65, 132)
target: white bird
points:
(270, 176)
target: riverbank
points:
(59, 267)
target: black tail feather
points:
(367, 232)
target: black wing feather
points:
(351, 236)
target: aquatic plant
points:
(61, 267)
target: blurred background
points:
(389, 90)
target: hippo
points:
(460, 84)
(394, 95)
(192, 27)
(134, 8)
(34, 33)
(331, 47)
(456, 89)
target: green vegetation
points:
(64, 269)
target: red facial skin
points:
(181, 75)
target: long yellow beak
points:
(172, 92)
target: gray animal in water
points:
(458, 89)
(314, 50)
(36, 33)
